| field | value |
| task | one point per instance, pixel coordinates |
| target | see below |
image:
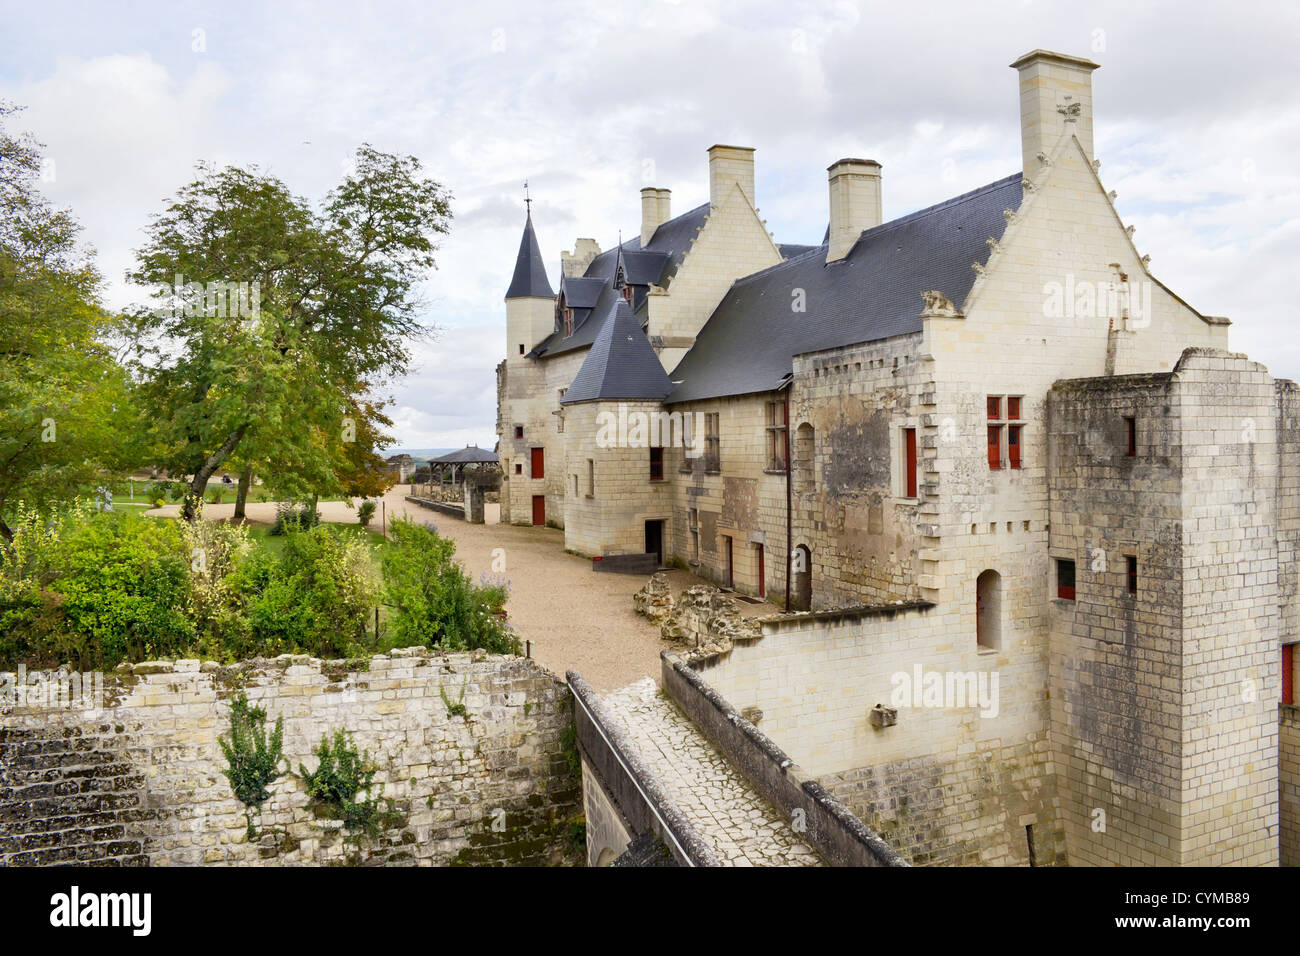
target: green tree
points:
(66, 415)
(283, 380)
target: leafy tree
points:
(284, 381)
(65, 404)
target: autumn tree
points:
(273, 323)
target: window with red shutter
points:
(1013, 446)
(656, 464)
(1013, 408)
(1065, 579)
(995, 447)
(995, 408)
(909, 444)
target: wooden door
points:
(539, 463)
(539, 509)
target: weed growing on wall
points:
(341, 778)
(252, 757)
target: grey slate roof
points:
(469, 455)
(873, 293)
(789, 250)
(530, 272)
(621, 364)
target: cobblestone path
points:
(742, 827)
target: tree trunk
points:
(5, 532)
(200, 482)
(241, 495)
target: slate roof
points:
(621, 364)
(530, 271)
(656, 264)
(873, 293)
(469, 455)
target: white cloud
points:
(1196, 112)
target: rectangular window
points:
(1013, 446)
(539, 462)
(695, 533)
(1013, 408)
(656, 464)
(591, 477)
(995, 447)
(995, 408)
(712, 444)
(1131, 573)
(777, 459)
(568, 322)
(1130, 425)
(575, 486)
(1065, 579)
(909, 460)
(1288, 668)
(519, 468)
(521, 348)
(519, 431)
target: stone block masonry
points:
(139, 781)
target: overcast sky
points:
(1196, 108)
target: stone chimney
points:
(730, 166)
(1055, 95)
(655, 206)
(575, 263)
(855, 203)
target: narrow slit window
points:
(1130, 425)
(656, 464)
(1013, 446)
(1131, 573)
(909, 457)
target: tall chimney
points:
(1055, 95)
(655, 206)
(730, 166)
(855, 203)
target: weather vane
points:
(527, 202)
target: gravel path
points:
(576, 619)
(742, 828)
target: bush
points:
(294, 517)
(93, 588)
(365, 512)
(314, 598)
(215, 496)
(432, 599)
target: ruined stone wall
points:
(139, 781)
(944, 783)
(851, 508)
(1288, 508)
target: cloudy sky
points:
(1196, 106)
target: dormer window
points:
(568, 322)
(627, 294)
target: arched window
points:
(805, 447)
(988, 611)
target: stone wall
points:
(948, 780)
(1288, 760)
(140, 780)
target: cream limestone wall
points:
(1289, 785)
(733, 243)
(954, 780)
(528, 321)
(851, 508)
(744, 502)
(530, 396)
(608, 516)
(1164, 709)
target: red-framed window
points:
(656, 464)
(1065, 579)
(519, 431)
(539, 462)
(519, 468)
(1012, 426)
(568, 322)
(909, 452)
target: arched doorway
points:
(988, 611)
(801, 579)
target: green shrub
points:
(314, 598)
(432, 599)
(294, 517)
(365, 512)
(94, 588)
(342, 775)
(215, 496)
(252, 758)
